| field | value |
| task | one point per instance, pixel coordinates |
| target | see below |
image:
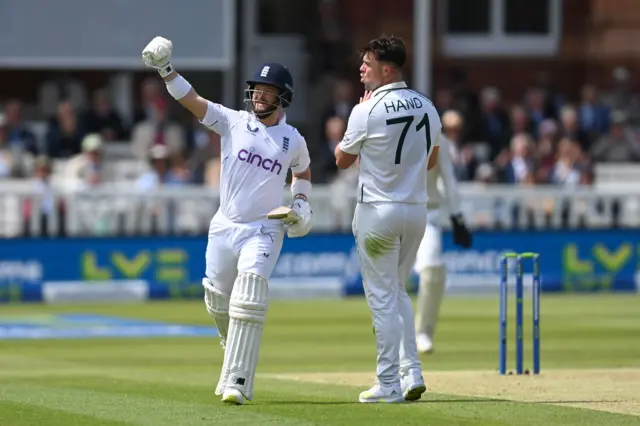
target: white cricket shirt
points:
(255, 159)
(393, 133)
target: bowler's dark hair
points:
(386, 49)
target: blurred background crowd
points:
(544, 137)
(79, 127)
(547, 99)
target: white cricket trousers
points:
(236, 248)
(387, 237)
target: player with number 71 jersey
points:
(395, 132)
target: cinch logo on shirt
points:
(257, 160)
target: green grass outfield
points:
(317, 356)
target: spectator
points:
(179, 174)
(333, 133)
(164, 170)
(619, 145)
(464, 97)
(443, 100)
(493, 123)
(19, 137)
(103, 119)
(196, 137)
(158, 130)
(206, 153)
(13, 161)
(537, 108)
(486, 173)
(593, 115)
(621, 98)
(554, 101)
(568, 169)
(520, 123)
(85, 170)
(48, 207)
(6, 160)
(341, 104)
(462, 157)
(571, 127)
(519, 167)
(150, 93)
(546, 149)
(159, 162)
(65, 133)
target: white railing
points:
(119, 209)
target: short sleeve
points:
(219, 118)
(301, 161)
(356, 130)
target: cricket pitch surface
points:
(612, 390)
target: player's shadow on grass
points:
(311, 402)
(449, 401)
(496, 400)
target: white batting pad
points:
(247, 311)
(217, 304)
(430, 293)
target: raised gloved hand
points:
(461, 234)
(157, 55)
(303, 226)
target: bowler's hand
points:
(366, 96)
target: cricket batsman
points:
(257, 149)
(429, 264)
(396, 132)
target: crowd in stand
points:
(77, 133)
(542, 138)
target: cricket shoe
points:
(379, 393)
(424, 343)
(232, 397)
(413, 385)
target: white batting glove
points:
(303, 226)
(157, 55)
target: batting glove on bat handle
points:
(303, 226)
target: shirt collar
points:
(390, 86)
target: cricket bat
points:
(285, 214)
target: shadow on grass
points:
(446, 401)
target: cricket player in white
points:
(258, 147)
(429, 264)
(395, 131)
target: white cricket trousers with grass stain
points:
(387, 237)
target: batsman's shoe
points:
(232, 397)
(424, 343)
(379, 393)
(413, 386)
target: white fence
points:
(119, 209)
